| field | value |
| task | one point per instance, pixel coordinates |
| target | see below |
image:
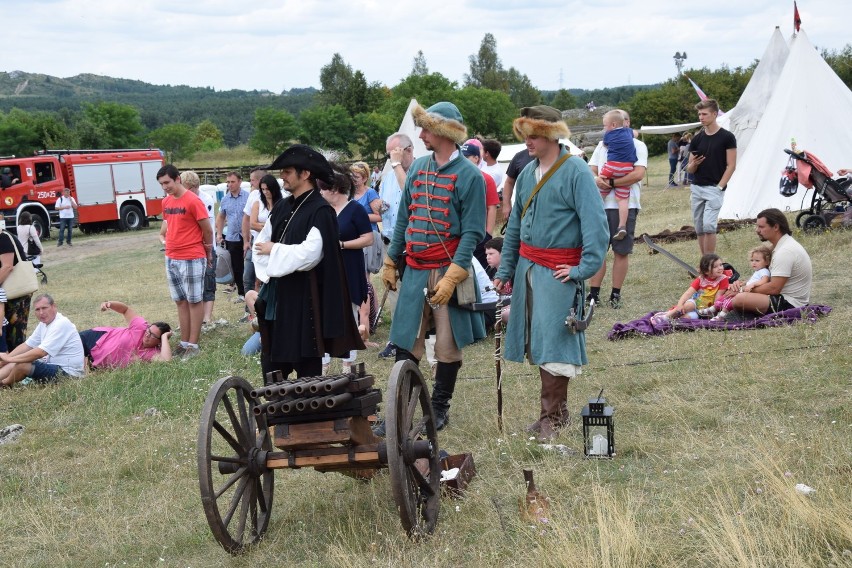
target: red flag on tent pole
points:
(797, 21)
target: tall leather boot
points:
(554, 404)
(445, 384)
(404, 355)
(535, 427)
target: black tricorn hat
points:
(305, 158)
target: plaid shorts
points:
(186, 279)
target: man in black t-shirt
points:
(712, 160)
(516, 166)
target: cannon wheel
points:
(409, 418)
(236, 486)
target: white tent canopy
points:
(670, 129)
(744, 118)
(809, 103)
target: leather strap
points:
(543, 180)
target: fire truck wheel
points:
(41, 225)
(131, 218)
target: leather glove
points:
(389, 276)
(447, 285)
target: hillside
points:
(158, 105)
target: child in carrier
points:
(620, 157)
(702, 292)
(759, 258)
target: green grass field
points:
(713, 431)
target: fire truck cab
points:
(113, 188)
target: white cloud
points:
(276, 44)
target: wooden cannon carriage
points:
(318, 422)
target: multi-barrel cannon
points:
(321, 422)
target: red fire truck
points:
(113, 188)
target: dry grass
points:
(713, 429)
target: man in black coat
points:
(303, 307)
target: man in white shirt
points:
(624, 247)
(400, 148)
(53, 350)
(791, 272)
(490, 152)
(66, 206)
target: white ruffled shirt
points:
(286, 259)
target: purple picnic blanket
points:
(643, 325)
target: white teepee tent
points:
(809, 103)
(743, 119)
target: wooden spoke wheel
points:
(412, 450)
(236, 486)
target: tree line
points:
(348, 114)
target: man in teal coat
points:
(556, 238)
(441, 219)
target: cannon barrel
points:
(330, 401)
(304, 404)
(303, 387)
(264, 408)
(329, 385)
(275, 389)
(286, 389)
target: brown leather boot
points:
(564, 416)
(554, 405)
(535, 427)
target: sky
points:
(277, 45)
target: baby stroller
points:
(38, 269)
(38, 266)
(830, 196)
(33, 253)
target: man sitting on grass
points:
(53, 350)
(117, 347)
(791, 272)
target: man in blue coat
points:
(440, 220)
(556, 238)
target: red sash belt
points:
(550, 257)
(433, 256)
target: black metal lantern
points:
(598, 428)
